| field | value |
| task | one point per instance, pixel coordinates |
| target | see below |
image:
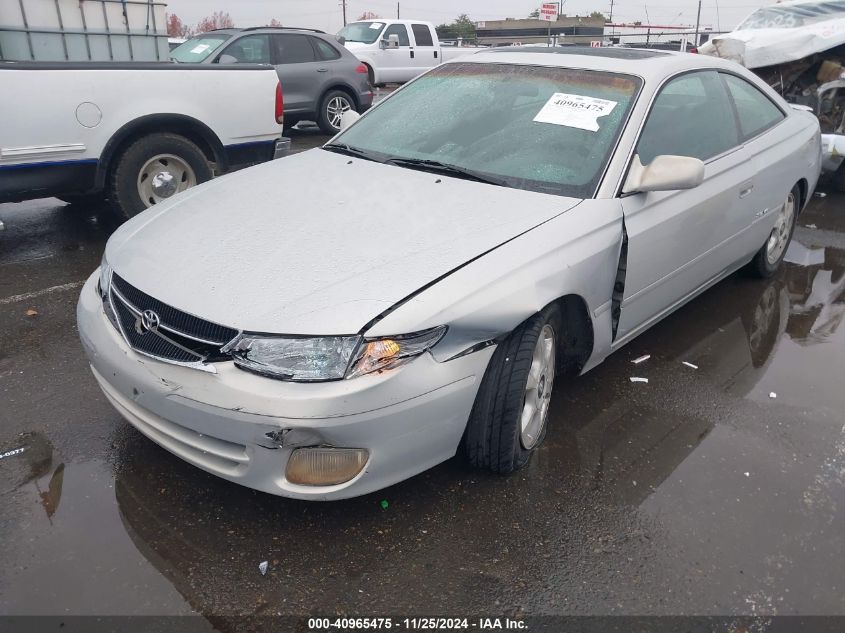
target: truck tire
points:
(333, 104)
(768, 259)
(503, 431)
(154, 168)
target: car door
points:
(397, 63)
(680, 240)
(424, 53)
(770, 151)
(303, 77)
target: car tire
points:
(520, 375)
(768, 259)
(333, 104)
(131, 185)
(371, 75)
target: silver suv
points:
(320, 78)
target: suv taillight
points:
(280, 104)
(362, 68)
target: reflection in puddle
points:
(34, 464)
(816, 291)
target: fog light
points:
(325, 466)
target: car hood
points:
(756, 48)
(316, 243)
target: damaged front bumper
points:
(244, 427)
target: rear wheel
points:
(508, 419)
(334, 104)
(768, 259)
(153, 169)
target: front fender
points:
(575, 253)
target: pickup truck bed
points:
(91, 128)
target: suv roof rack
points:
(283, 28)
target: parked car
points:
(136, 133)
(321, 79)
(798, 48)
(396, 51)
(553, 207)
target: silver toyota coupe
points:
(331, 323)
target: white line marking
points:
(39, 293)
(690, 365)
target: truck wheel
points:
(332, 107)
(508, 419)
(768, 259)
(155, 168)
(371, 75)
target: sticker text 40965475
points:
(577, 111)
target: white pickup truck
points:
(136, 133)
(396, 51)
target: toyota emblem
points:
(149, 322)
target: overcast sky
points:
(326, 14)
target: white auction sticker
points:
(574, 111)
(199, 48)
(376, 25)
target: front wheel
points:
(508, 419)
(155, 168)
(768, 259)
(334, 104)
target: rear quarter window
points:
(755, 110)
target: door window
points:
(252, 49)
(422, 35)
(293, 49)
(691, 116)
(401, 31)
(756, 111)
(325, 51)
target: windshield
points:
(527, 127)
(198, 48)
(366, 32)
(792, 16)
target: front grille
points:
(179, 337)
(182, 322)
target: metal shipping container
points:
(83, 30)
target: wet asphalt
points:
(699, 492)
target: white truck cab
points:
(396, 51)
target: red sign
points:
(548, 11)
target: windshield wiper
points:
(437, 167)
(343, 148)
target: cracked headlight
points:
(105, 277)
(386, 353)
(311, 359)
(302, 359)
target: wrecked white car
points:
(798, 48)
(281, 330)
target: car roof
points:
(234, 31)
(651, 65)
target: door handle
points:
(322, 70)
(412, 54)
(746, 191)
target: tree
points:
(535, 14)
(275, 22)
(463, 27)
(598, 15)
(217, 20)
(368, 15)
(177, 28)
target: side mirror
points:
(348, 118)
(391, 41)
(227, 59)
(341, 40)
(664, 173)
